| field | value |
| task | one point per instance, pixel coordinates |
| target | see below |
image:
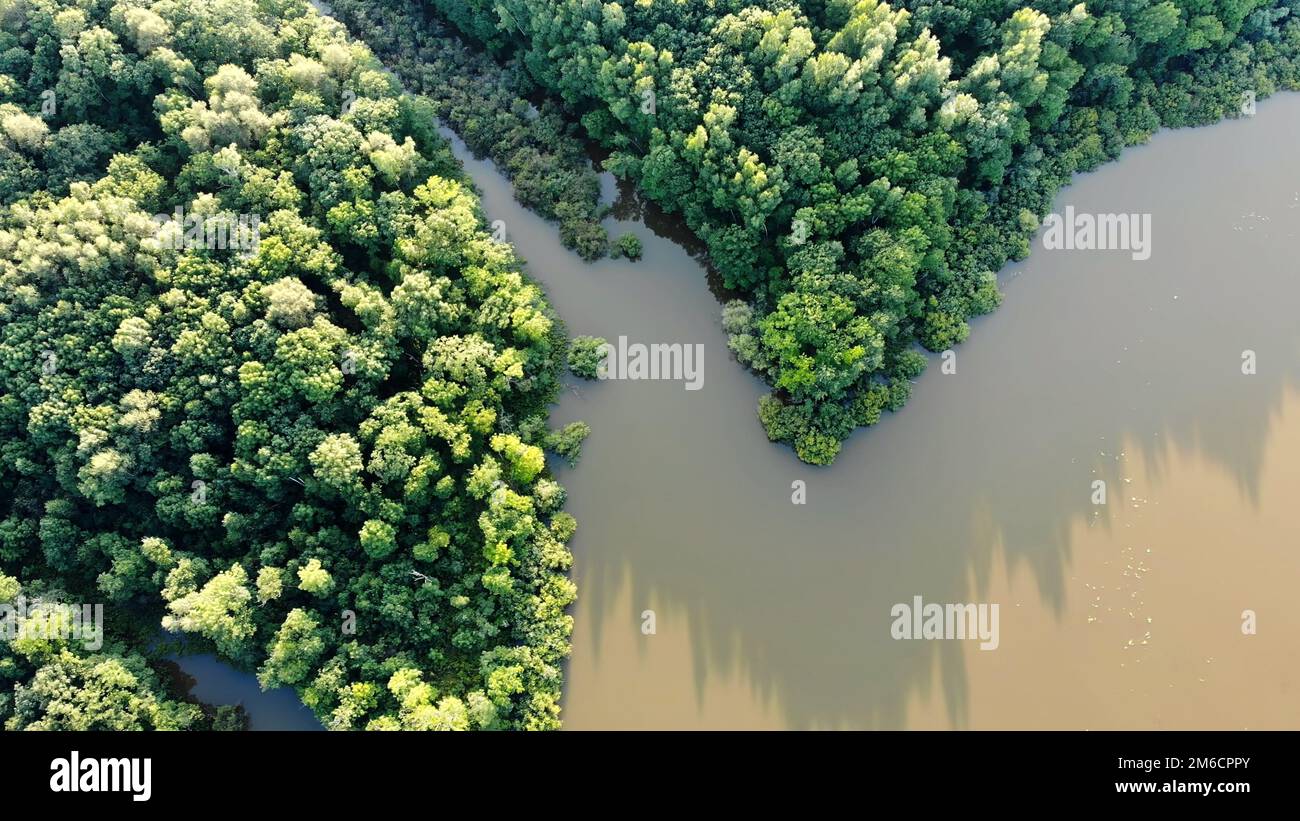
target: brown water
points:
(1127, 615)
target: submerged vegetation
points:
(858, 170)
(315, 445)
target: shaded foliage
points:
(488, 106)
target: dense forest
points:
(271, 387)
(858, 170)
(267, 381)
(537, 148)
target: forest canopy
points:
(488, 107)
(266, 380)
(860, 170)
(271, 388)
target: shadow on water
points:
(1094, 361)
(630, 207)
(211, 681)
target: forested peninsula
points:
(859, 171)
(266, 381)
